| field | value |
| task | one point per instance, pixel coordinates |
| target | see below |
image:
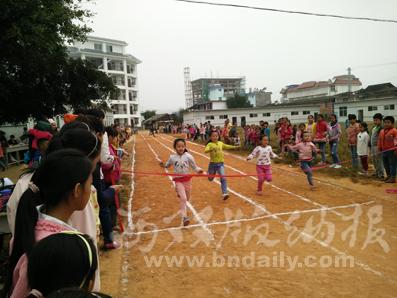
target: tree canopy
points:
(147, 114)
(37, 77)
(238, 101)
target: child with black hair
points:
(76, 293)
(352, 131)
(62, 260)
(362, 147)
(215, 149)
(182, 161)
(375, 154)
(56, 190)
(387, 144)
(263, 154)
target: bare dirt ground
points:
(340, 242)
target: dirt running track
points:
(341, 242)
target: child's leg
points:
(268, 173)
(386, 163)
(321, 145)
(353, 150)
(260, 170)
(180, 189)
(188, 189)
(221, 171)
(364, 162)
(305, 166)
(211, 170)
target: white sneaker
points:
(337, 166)
(332, 166)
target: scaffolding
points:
(188, 88)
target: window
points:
(223, 117)
(209, 117)
(342, 111)
(266, 114)
(131, 82)
(294, 113)
(306, 112)
(333, 88)
(253, 115)
(389, 107)
(98, 46)
(220, 98)
(109, 49)
(130, 68)
(372, 108)
(115, 65)
(118, 80)
(132, 95)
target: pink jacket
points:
(305, 150)
(44, 228)
(111, 171)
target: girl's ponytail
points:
(24, 235)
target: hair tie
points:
(36, 293)
(93, 149)
(34, 188)
(89, 251)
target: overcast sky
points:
(270, 49)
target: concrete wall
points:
(357, 106)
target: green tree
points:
(37, 77)
(238, 101)
(147, 114)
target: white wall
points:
(276, 112)
(354, 107)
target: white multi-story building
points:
(339, 84)
(110, 56)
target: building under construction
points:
(201, 87)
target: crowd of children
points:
(61, 204)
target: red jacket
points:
(321, 129)
(387, 139)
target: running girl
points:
(305, 150)
(215, 149)
(182, 161)
(263, 154)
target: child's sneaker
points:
(112, 245)
(391, 180)
(337, 166)
(186, 221)
(259, 193)
(225, 196)
(332, 166)
(312, 187)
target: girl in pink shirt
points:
(305, 150)
(56, 190)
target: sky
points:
(270, 49)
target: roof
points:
(380, 87)
(219, 79)
(158, 118)
(76, 51)
(115, 41)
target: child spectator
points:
(375, 154)
(352, 132)
(320, 136)
(334, 132)
(362, 146)
(63, 260)
(387, 141)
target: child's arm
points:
(167, 164)
(253, 154)
(273, 155)
(226, 146)
(194, 166)
(209, 148)
(314, 148)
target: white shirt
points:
(182, 163)
(263, 155)
(362, 144)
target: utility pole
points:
(349, 73)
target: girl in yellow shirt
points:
(215, 149)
